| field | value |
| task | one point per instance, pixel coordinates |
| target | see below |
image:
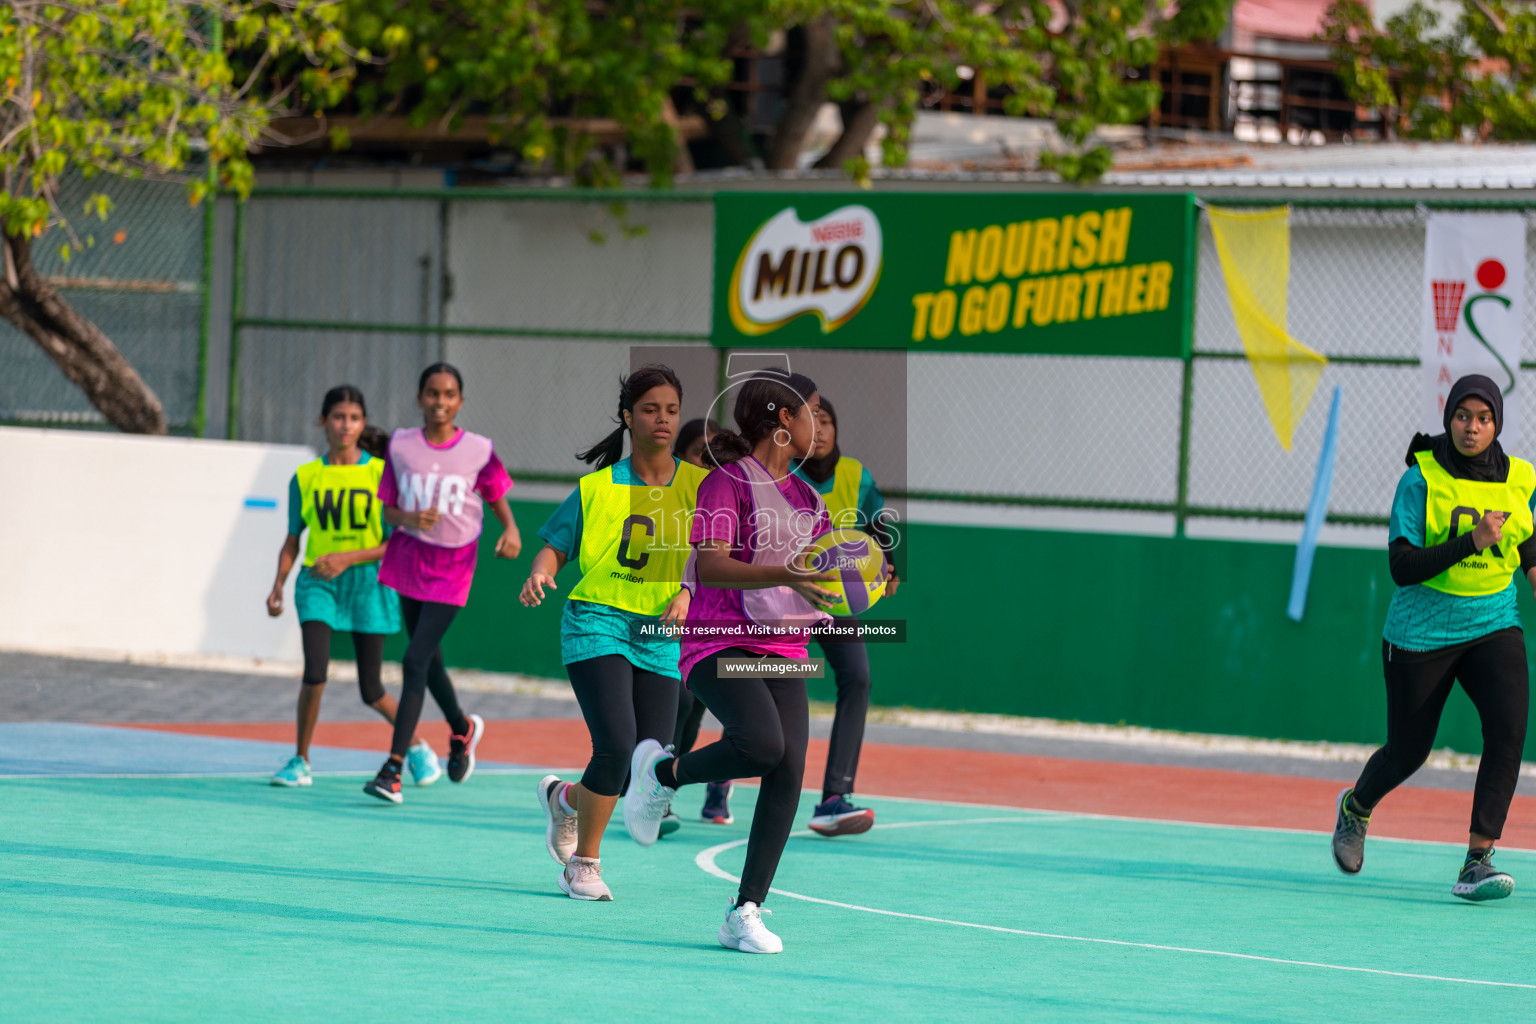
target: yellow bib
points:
(634, 539)
(340, 507)
(1455, 507)
(843, 499)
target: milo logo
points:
(789, 268)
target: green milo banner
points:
(1068, 274)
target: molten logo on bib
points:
(789, 268)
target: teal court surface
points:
(217, 897)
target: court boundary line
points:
(705, 860)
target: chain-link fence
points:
(543, 298)
(139, 277)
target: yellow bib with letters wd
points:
(340, 507)
(634, 539)
(1456, 506)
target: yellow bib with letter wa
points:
(1456, 506)
(634, 539)
(341, 510)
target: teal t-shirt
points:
(1421, 618)
(589, 629)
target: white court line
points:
(706, 861)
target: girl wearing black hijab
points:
(1461, 527)
(852, 500)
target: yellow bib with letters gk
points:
(341, 510)
(1456, 507)
(634, 539)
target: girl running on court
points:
(626, 525)
(749, 533)
(338, 587)
(1461, 527)
(436, 480)
(689, 447)
(853, 501)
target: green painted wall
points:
(1170, 633)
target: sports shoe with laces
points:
(421, 761)
(386, 784)
(582, 879)
(744, 930)
(294, 773)
(461, 750)
(646, 801)
(1349, 836)
(560, 827)
(839, 817)
(1480, 880)
(717, 804)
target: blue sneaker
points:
(421, 760)
(839, 817)
(294, 773)
(717, 804)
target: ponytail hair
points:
(757, 413)
(631, 389)
(435, 368)
(374, 441)
(342, 393)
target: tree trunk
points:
(860, 117)
(76, 346)
(818, 64)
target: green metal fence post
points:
(205, 318)
(236, 320)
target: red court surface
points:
(1113, 788)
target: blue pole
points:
(1317, 511)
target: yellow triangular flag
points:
(1255, 251)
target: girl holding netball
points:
(853, 501)
(753, 521)
(437, 479)
(626, 526)
(1461, 527)
(338, 587)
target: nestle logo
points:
(837, 232)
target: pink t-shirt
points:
(724, 504)
(430, 572)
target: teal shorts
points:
(354, 602)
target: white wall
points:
(143, 545)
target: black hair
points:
(757, 412)
(652, 375)
(426, 375)
(690, 432)
(342, 393)
(374, 441)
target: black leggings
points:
(422, 669)
(370, 659)
(690, 715)
(767, 723)
(1492, 670)
(850, 667)
(622, 705)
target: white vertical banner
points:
(1474, 305)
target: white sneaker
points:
(744, 930)
(582, 879)
(560, 832)
(647, 801)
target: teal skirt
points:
(354, 602)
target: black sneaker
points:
(1349, 836)
(461, 751)
(1480, 880)
(840, 817)
(386, 784)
